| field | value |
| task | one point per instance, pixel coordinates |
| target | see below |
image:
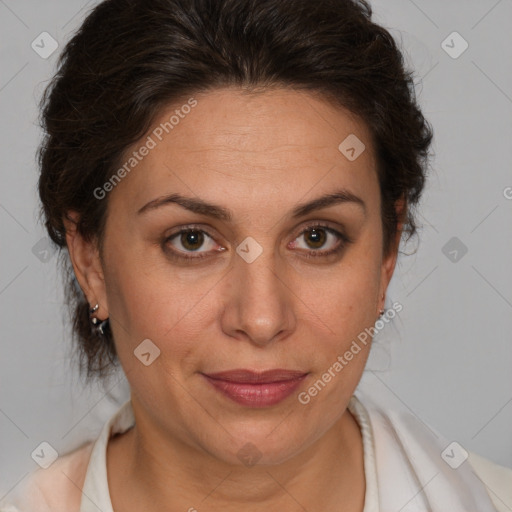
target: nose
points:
(259, 304)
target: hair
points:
(131, 58)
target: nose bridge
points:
(261, 306)
(259, 277)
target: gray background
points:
(447, 357)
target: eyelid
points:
(190, 227)
(327, 225)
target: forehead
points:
(277, 141)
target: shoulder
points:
(497, 480)
(56, 489)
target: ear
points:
(86, 262)
(389, 261)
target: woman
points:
(232, 179)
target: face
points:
(257, 283)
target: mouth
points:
(256, 388)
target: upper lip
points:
(266, 376)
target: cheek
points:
(347, 306)
(157, 306)
(349, 313)
(350, 298)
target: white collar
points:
(412, 475)
(95, 493)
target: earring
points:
(99, 325)
(382, 311)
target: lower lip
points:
(256, 395)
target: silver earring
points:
(382, 311)
(99, 325)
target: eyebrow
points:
(202, 207)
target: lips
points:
(256, 389)
(263, 377)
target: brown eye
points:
(192, 240)
(320, 241)
(188, 241)
(315, 237)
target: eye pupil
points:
(317, 236)
(192, 240)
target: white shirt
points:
(62, 487)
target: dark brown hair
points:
(131, 58)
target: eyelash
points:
(344, 241)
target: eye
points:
(317, 236)
(191, 240)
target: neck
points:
(159, 471)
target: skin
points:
(258, 155)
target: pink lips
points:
(256, 389)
